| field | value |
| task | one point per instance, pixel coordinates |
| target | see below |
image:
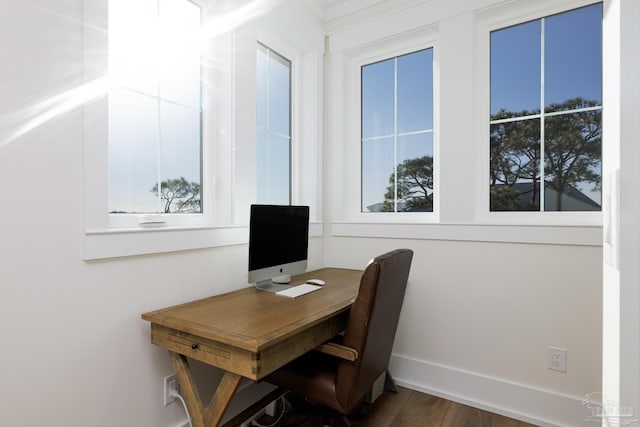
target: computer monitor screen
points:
(278, 244)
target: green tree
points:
(413, 187)
(572, 154)
(179, 195)
(573, 147)
(514, 157)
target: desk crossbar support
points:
(219, 402)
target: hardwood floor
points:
(407, 408)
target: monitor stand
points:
(268, 285)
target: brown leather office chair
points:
(340, 383)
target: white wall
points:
(76, 352)
(621, 297)
(477, 320)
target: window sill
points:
(581, 235)
(115, 243)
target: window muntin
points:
(546, 107)
(155, 107)
(397, 134)
(273, 124)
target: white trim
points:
(535, 234)
(101, 244)
(520, 401)
(121, 243)
(347, 7)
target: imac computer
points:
(278, 245)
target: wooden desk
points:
(249, 333)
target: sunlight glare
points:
(239, 16)
(28, 119)
(149, 47)
(145, 51)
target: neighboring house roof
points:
(402, 206)
(377, 207)
(572, 199)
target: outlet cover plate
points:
(170, 383)
(557, 359)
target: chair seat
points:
(313, 376)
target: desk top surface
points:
(252, 319)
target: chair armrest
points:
(338, 350)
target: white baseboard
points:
(519, 401)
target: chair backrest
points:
(372, 324)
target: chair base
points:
(304, 413)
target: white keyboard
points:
(296, 291)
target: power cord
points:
(174, 393)
(284, 410)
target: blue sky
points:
(572, 54)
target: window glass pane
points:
(378, 99)
(180, 151)
(133, 46)
(397, 134)
(569, 145)
(279, 100)
(514, 166)
(572, 150)
(415, 91)
(155, 137)
(273, 168)
(415, 173)
(273, 123)
(179, 59)
(573, 57)
(133, 145)
(515, 70)
(261, 87)
(378, 175)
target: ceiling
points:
(331, 9)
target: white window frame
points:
(354, 60)
(107, 235)
(226, 117)
(306, 117)
(173, 220)
(460, 216)
(496, 19)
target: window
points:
(273, 123)
(397, 134)
(155, 107)
(546, 113)
(186, 63)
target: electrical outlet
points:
(557, 359)
(170, 384)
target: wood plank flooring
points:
(407, 408)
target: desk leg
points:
(221, 399)
(219, 402)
